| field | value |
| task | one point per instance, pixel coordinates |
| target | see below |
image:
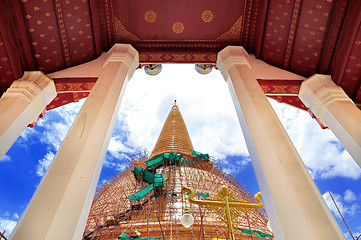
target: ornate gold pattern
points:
(294, 89)
(178, 57)
(178, 27)
(156, 57)
(290, 41)
(120, 33)
(207, 16)
(89, 86)
(63, 37)
(150, 16)
(265, 89)
(74, 86)
(234, 32)
(199, 57)
(212, 58)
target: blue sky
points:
(208, 111)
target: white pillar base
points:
(336, 111)
(292, 200)
(21, 104)
(60, 206)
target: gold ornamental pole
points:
(243, 206)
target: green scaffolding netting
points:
(256, 233)
(141, 194)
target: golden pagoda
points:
(146, 201)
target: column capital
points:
(319, 91)
(125, 53)
(21, 104)
(230, 56)
(335, 110)
(30, 85)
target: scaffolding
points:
(146, 200)
(157, 214)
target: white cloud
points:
(7, 225)
(116, 147)
(319, 149)
(116, 164)
(44, 163)
(5, 158)
(59, 125)
(346, 209)
(203, 100)
(52, 128)
(349, 196)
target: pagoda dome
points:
(146, 201)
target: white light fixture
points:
(269, 226)
(153, 69)
(203, 68)
(187, 219)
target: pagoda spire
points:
(174, 136)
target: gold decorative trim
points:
(62, 31)
(121, 33)
(291, 36)
(234, 32)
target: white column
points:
(60, 206)
(292, 200)
(21, 104)
(336, 111)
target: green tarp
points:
(125, 236)
(158, 161)
(256, 233)
(138, 171)
(191, 160)
(155, 162)
(149, 177)
(200, 194)
(157, 180)
(141, 194)
(200, 155)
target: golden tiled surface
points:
(174, 136)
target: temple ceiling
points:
(302, 36)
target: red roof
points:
(304, 37)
